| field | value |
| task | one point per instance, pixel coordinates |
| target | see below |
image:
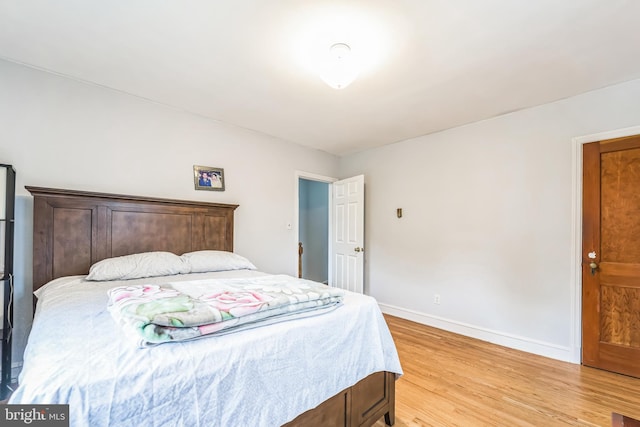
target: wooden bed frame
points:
(74, 229)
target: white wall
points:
(487, 221)
(65, 134)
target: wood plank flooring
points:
(452, 380)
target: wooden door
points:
(611, 244)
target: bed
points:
(333, 369)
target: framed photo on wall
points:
(208, 178)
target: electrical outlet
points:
(436, 298)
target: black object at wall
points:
(7, 217)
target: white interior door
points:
(347, 234)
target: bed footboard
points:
(361, 405)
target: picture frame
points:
(208, 178)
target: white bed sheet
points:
(264, 376)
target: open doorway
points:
(330, 226)
(313, 229)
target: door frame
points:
(576, 232)
(296, 215)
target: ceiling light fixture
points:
(339, 70)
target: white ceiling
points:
(428, 65)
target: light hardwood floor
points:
(452, 380)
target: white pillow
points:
(203, 261)
(146, 264)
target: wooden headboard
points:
(74, 229)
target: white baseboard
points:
(529, 345)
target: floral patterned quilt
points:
(185, 310)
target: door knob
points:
(594, 267)
(358, 249)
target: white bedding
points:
(264, 376)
